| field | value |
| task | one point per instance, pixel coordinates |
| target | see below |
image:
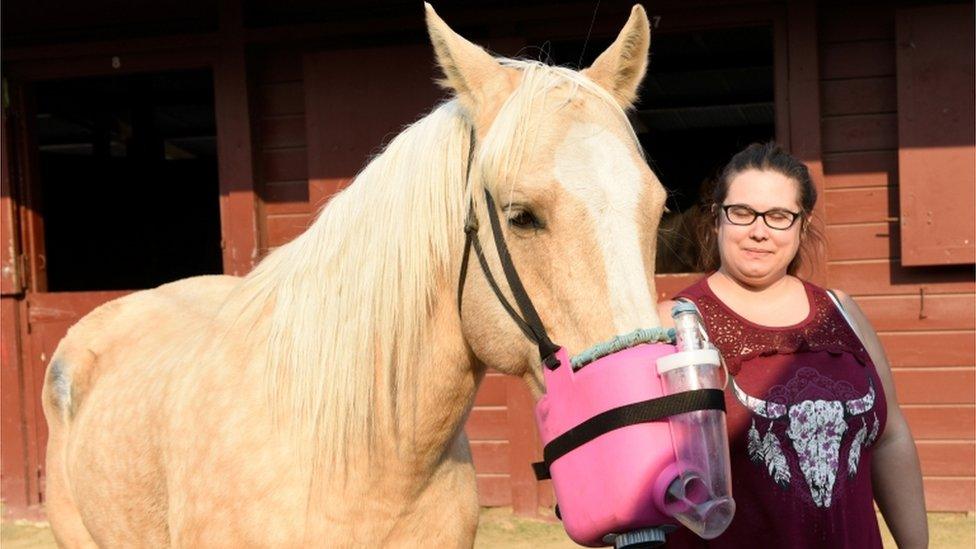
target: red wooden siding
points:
(854, 169)
(946, 459)
(863, 205)
(858, 96)
(11, 279)
(18, 459)
(943, 386)
(283, 159)
(925, 317)
(349, 109)
(239, 228)
(887, 276)
(16, 482)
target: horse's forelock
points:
(508, 142)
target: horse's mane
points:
(348, 300)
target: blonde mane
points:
(348, 301)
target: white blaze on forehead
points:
(596, 167)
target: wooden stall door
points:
(936, 136)
(108, 204)
(49, 316)
(33, 321)
(16, 481)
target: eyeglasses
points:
(777, 218)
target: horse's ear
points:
(470, 71)
(621, 67)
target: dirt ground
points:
(499, 529)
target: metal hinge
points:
(27, 315)
(14, 270)
(41, 484)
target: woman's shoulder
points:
(816, 288)
(695, 290)
(692, 292)
(828, 298)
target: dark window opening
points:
(128, 180)
(707, 95)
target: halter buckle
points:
(471, 223)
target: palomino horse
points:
(321, 399)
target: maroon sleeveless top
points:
(804, 408)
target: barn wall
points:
(925, 316)
(932, 357)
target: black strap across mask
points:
(529, 321)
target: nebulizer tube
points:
(700, 496)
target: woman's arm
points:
(896, 473)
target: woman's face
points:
(755, 254)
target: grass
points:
(24, 534)
(499, 528)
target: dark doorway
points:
(128, 180)
(707, 95)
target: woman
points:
(815, 430)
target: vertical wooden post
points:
(804, 105)
(16, 487)
(524, 448)
(11, 269)
(238, 205)
(781, 76)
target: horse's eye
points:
(524, 219)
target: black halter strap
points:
(531, 325)
(529, 321)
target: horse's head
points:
(578, 204)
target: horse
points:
(321, 399)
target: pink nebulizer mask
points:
(634, 430)
(635, 438)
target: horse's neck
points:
(421, 462)
(447, 377)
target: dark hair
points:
(763, 157)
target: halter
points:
(529, 321)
